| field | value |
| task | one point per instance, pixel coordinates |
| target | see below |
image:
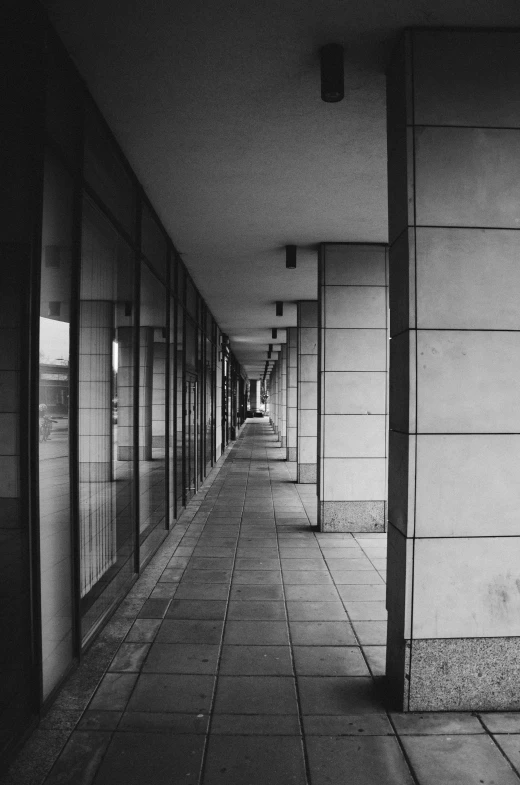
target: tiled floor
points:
(251, 652)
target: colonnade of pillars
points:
(452, 414)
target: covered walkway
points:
(251, 651)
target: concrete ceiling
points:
(216, 104)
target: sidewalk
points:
(251, 652)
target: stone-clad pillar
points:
(307, 390)
(273, 402)
(283, 395)
(291, 394)
(454, 490)
(353, 339)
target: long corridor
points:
(251, 652)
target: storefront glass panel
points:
(105, 417)
(153, 346)
(54, 451)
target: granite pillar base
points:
(366, 516)
(307, 473)
(462, 674)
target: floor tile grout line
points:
(296, 684)
(495, 742)
(207, 737)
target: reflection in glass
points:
(179, 479)
(54, 473)
(105, 400)
(152, 412)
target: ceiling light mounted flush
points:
(290, 257)
(332, 78)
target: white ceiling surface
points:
(216, 103)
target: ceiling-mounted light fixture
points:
(332, 79)
(274, 332)
(279, 308)
(270, 347)
(290, 257)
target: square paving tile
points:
(190, 631)
(182, 658)
(201, 591)
(372, 760)
(322, 633)
(436, 723)
(197, 609)
(255, 760)
(255, 725)
(313, 593)
(362, 593)
(154, 609)
(256, 661)
(259, 563)
(371, 632)
(356, 577)
(256, 592)
(256, 695)
(114, 691)
(316, 611)
(129, 657)
(83, 753)
(298, 578)
(464, 760)
(160, 692)
(502, 721)
(263, 577)
(211, 562)
(206, 576)
(256, 633)
(143, 630)
(240, 609)
(376, 658)
(338, 695)
(366, 611)
(347, 725)
(163, 722)
(329, 661)
(136, 758)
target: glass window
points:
(54, 451)
(191, 299)
(105, 173)
(172, 457)
(105, 417)
(179, 427)
(152, 412)
(153, 242)
(209, 402)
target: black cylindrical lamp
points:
(274, 332)
(290, 257)
(279, 308)
(332, 79)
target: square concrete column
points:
(291, 394)
(307, 381)
(352, 426)
(454, 491)
(282, 360)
